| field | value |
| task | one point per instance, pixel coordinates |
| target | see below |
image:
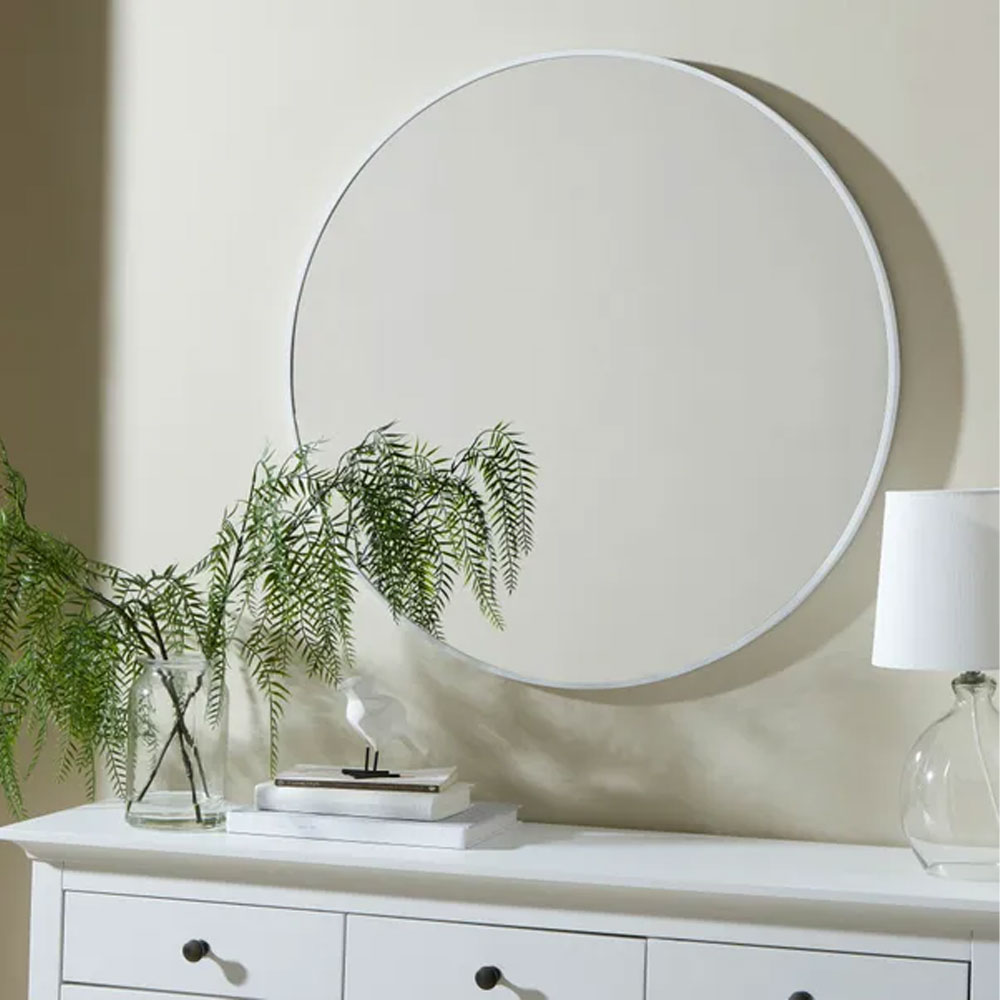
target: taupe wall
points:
(52, 109)
(233, 122)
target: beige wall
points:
(233, 122)
(52, 110)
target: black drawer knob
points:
(195, 949)
(488, 976)
(801, 995)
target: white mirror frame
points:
(890, 327)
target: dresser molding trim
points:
(766, 870)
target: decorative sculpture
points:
(378, 719)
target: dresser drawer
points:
(256, 951)
(428, 960)
(681, 970)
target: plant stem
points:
(120, 610)
(185, 733)
(182, 730)
(151, 615)
(180, 727)
(157, 765)
(166, 746)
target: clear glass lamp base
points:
(949, 792)
(972, 864)
(967, 870)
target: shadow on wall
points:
(53, 59)
(584, 757)
(930, 407)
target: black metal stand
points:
(370, 770)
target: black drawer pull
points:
(488, 976)
(801, 995)
(195, 950)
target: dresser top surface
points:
(541, 853)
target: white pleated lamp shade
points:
(938, 602)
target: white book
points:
(479, 823)
(364, 801)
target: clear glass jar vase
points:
(177, 747)
(949, 790)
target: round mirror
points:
(671, 294)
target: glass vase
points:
(949, 790)
(177, 747)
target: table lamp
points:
(937, 609)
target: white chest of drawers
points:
(553, 913)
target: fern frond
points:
(278, 586)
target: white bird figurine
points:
(377, 718)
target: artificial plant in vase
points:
(277, 589)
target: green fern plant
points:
(277, 587)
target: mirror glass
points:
(671, 294)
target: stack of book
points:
(422, 808)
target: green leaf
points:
(277, 585)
